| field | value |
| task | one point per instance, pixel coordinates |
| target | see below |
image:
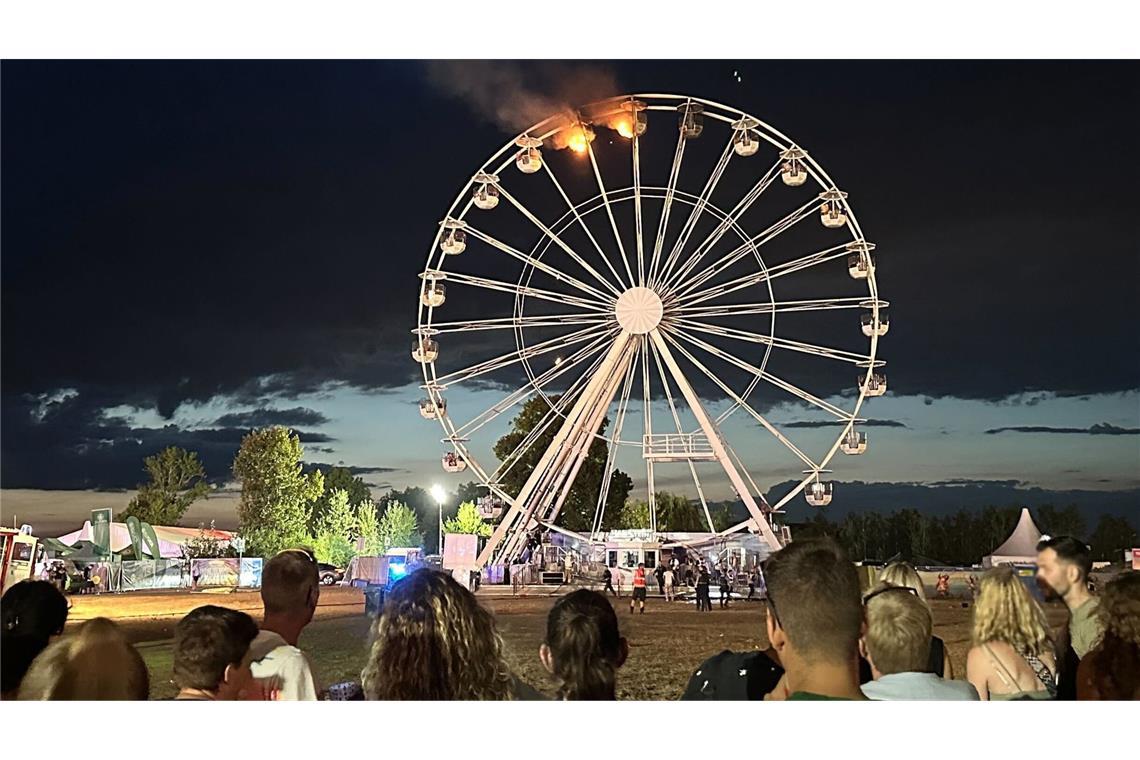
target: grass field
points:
(666, 643)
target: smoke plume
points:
(516, 95)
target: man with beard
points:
(1063, 566)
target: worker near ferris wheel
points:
(639, 590)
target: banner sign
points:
(1136, 559)
(249, 575)
(206, 573)
(151, 541)
(146, 574)
(642, 535)
(101, 529)
(134, 530)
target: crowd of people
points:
(827, 639)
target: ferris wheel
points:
(655, 279)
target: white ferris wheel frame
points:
(611, 372)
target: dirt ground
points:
(666, 643)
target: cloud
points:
(1101, 428)
(839, 423)
(257, 418)
(70, 441)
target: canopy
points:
(170, 539)
(1021, 546)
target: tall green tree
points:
(634, 515)
(342, 478)
(679, 513)
(467, 520)
(368, 528)
(578, 510)
(426, 512)
(470, 491)
(276, 495)
(337, 531)
(177, 480)
(398, 526)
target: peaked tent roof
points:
(1021, 544)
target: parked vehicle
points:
(330, 574)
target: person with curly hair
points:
(1012, 655)
(1111, 670)
(434, 641)
(583, 648)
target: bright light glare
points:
(438, 493)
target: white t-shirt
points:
(668, 578)
(273, 658)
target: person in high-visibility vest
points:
(639, 591)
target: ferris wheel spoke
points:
(637, 209)
(647, 411)
(538, 264)
(531, 387)
(767, 340)
(735, 255)
(695, 212)
(768, 377)
(681, 431)
(552, 413)
(740, 464)
(771, 273)
(743, 404)
(609, 211)
(514, 357)
(585, 228)
(611, 455)
(670, 191)
(557, 241)
(777, 307)
(515, 289)
(726, 224)
(506, 323)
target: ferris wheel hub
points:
(639, 310)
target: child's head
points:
(583, 647)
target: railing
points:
(677, 447)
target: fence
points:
(167, 574)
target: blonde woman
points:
(902, 574)
(1012, 654)
(435, 642)
(95, 663)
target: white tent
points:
(170, 539)
(1021, 546)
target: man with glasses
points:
(897, 646)
(290, 590)
(815, 619)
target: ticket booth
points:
(17, 555)
(625, 549)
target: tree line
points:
(964, 537)
(284, 504)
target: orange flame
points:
(624, 127)
(578, 140)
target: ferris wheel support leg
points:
(523, 505)
(586, 435)
(564, 468)
(710, 430)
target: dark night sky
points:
(249, 233)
